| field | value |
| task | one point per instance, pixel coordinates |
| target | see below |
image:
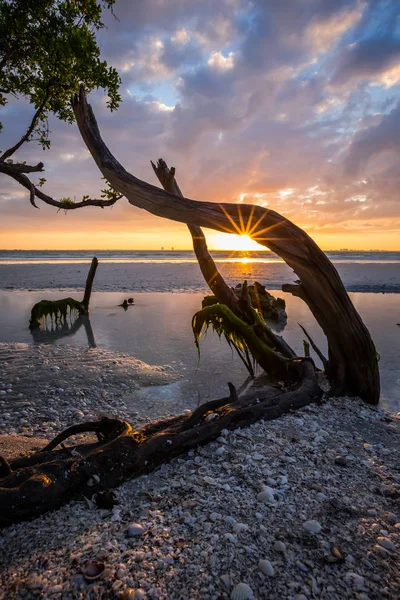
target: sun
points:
(228, 241)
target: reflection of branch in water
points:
(58, 331)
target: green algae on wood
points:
(241, 336)
(271, 308)
(55, 309)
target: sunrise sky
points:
(288, 104)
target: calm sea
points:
(177, 256)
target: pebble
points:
(341, 460)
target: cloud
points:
(372, 141)
(291, 105)
(367, 59)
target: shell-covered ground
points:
(304, 507)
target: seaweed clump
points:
(271, 308)
(56, 310)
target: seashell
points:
(239, 527)
(386, 543)
(92, 570)
(230, 520)
(136, 529)
(312, 526)
(226, 580)
(210, 417)
(187, 411)
(242, 591)
(266, 568)
(230, 537)
(219, 451)
(128, 594)
(214, 516)
(89, 503)
(279, 546)
(354, 580)
(257, 456)
(266, 495)
(209, 480)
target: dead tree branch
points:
(45, 480)
(352, 365)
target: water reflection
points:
(60, 330)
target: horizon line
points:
(176, 250)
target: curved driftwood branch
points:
(47, 479)
(352, 364)
(241, 307)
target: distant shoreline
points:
(183, 275)
(30, 257)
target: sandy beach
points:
(200, 353)
(330, 529)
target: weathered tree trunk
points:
(89, 285)
(58, 308)
(47, 479)
(241, 307)
(352, 366)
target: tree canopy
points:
(48, 49)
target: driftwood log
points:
(33, 485)
(44, 481)
(352, 365)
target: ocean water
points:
(157, 329)
(179, 256)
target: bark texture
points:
(352, 366)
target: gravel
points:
(196, 528)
